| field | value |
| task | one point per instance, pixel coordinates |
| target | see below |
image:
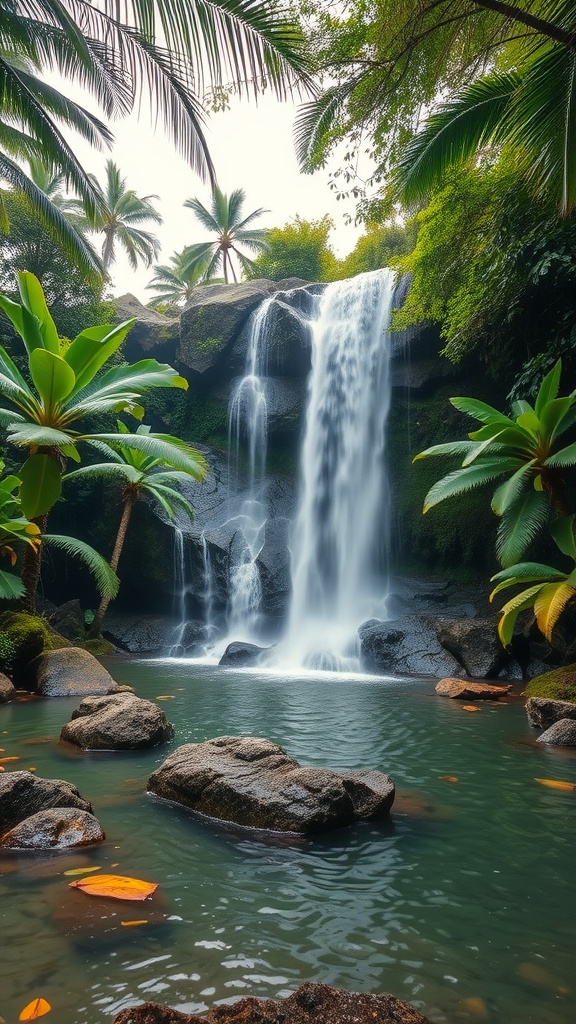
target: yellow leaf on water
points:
(119, 887)
(37, 1008)
(129, 924)
(6, 760)
(115, 865)
(31, 769)
(476, 1006)
(166, 696)
(449, 778)
(80, 871)
(470, 707)
(556, 784)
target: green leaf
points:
(562, 531)
(519, 526)
(92, 348)
(552, 416)
(508, 492)
(41, 485)
(33, 300)
(549, 387)
(481, 411)
(11, 587)
(565, 457)
(511, 611)
(447, 449)
(462, 480)
(26, 434)
(105, 577)
(52, 377)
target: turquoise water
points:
(463, 904)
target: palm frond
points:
(105, 577)
(462, 480)
(520, 525)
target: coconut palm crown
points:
(231, 229)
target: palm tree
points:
(225, 221)
(531, 109)
(112, 50)
(43, 417)
(118, 217)
(174, 284)
(142, 475)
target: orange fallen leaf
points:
(119, 887)
(115, 865)
(129, 924)
(165, 696)
(6, 760)
(470, 707)
(2, 769)
(556, 784)
(37, 1008)
(476, 1006)
(449, 778)
(80, 871)
(31, 769)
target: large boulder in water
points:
(7, 689)
(58, 828)
(312, 1003)
(561, 734)
(69, 672)
(407, 646)
(240, 654)
(474, 643)
(120, 721)
(23, 794)
(543, 712)
(254, 782)
(464, 689)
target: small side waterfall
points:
(341, 532)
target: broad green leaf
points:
(52, 376)
(479, 449)
(462, 480)
(481, 411)
(41, 485)
(92, 348)
(529, 421)
(523, 569)
(549, 387)
(520, 407)
(25, 434)
(562, 531)
(507, 436)
(447, 449)
(508, 492)
(565, 457)
(33, 300)
(170, 450)
(546, 575)
(552, 416)
(511, 611)
(519, 526)
(13, 311)
(11, 587)
(549, 605)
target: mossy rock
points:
(22, 638)
(98, 646)
(560, 684)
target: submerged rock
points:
(119, 721)
(69, 672)
(56, 829)
(561, 734)
(23, 794)
(543, 712)
(254, 782)
(463, 689)
(310, 1004)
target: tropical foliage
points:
(299, 249)
(143, 474)
(174, 283)
(14, 529)
(232, 232)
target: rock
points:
(407, 646)
(559, 684)
(254, 782)
(68, 620)
(153, 334)
(463, 689)
(474, 643)
(7, 689)
(543, 712)
(240, 653)
(55, 829)
(138, 634)
(561, 734)
(69, 672)
(119, 721)
(23, 794)
(23, 637)
(312, 1003)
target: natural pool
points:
(463, 905)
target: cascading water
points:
(341, 531)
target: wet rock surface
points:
(407, 646)
(463, 689)
(561, 734)
(254, 782)
(138, 634)
(56, 829)
(23, 794)
(7, 689)
(119, 721)
(69, 672)
(309, 1004)
(474, 643)
(240, 654)
(544, 711)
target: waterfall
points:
(180, 591)
(341, 532)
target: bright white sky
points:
(251, 146)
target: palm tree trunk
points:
(31, 566)
(225, 265)
(129, 503)
(108, 247)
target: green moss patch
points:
(22, 638)
(560, 684)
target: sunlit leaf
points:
(6, 760)
(80, 871)
(556, 784)
(37, 1008)
(130, 924)
(119, 887)
(470, 707)
(165, 696)
(449, 778)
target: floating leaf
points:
(31, 769)
(2, 769)
(129, 924)
(116, 864)
(470, 707)
(6, 760)
(37, 1008)
(449, 778)
(166, 696)
(476, 1006)
(556, 784)
(119, 887)
(80, 871)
